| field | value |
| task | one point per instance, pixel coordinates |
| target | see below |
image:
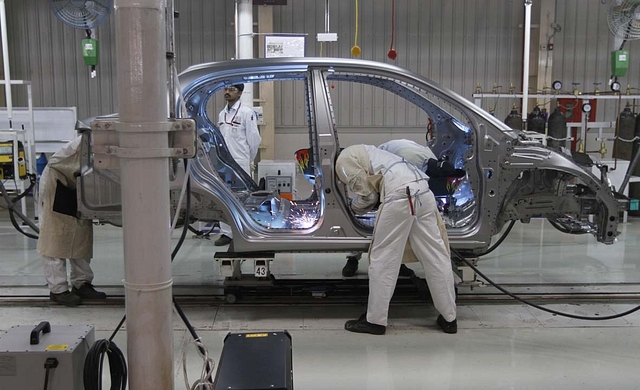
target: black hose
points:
(577, 317)
(16, 225)
(502, 238)
(92, 375)
(11, 204)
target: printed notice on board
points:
(283, 46)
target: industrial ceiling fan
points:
(84, 15)
(623, 18)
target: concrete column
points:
(245, 42)
(267, 95)
(142, 98)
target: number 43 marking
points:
(261, 271)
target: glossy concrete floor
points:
(508, 346)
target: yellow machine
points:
(6, 161)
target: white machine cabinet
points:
(279, 175)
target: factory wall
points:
(457, 43)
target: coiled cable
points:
(92, 377)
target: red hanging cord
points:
(392, 54)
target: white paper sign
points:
(283, 46)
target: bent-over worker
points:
(407, 213)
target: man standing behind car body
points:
(239, 127)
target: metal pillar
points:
(525, 65)
(245, 42)
(5, 61)
(142, 96)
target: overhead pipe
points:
(326, 16)
(141, 69)
(525, 70)
(5, 62)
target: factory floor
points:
(498, 346)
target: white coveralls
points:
(413, 152)
(369, 171)
(239, 127)
(63, 236)
(417, 155)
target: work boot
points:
(406, 271)
(447, 327)
(87, 291)
(361, 325)
(351, 267)
(223, 240)
(65, 298)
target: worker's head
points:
(233, 92)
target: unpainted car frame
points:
(508, 175)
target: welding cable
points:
(568, 315)
(11, 204)
(502, 238)
(92, 375)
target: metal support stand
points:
(235, 280)
(468, 277)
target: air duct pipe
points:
(141, 69)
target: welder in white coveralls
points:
(407, 213)
(419, 156)
(62, 235)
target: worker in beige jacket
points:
(62, 235)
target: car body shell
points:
(508, 175)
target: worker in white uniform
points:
(415, 154)
(411, 151)
(239, 127)
(62, 235)
(407, 212)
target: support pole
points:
(525, 65)
(267, 95)
(245, 42)
(5, 62)
(142, 96)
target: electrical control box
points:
(279, 184)
(279, 176)
(619, 62)
(7, 166)
(90, 51)
(24, 351)
(256, 361)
